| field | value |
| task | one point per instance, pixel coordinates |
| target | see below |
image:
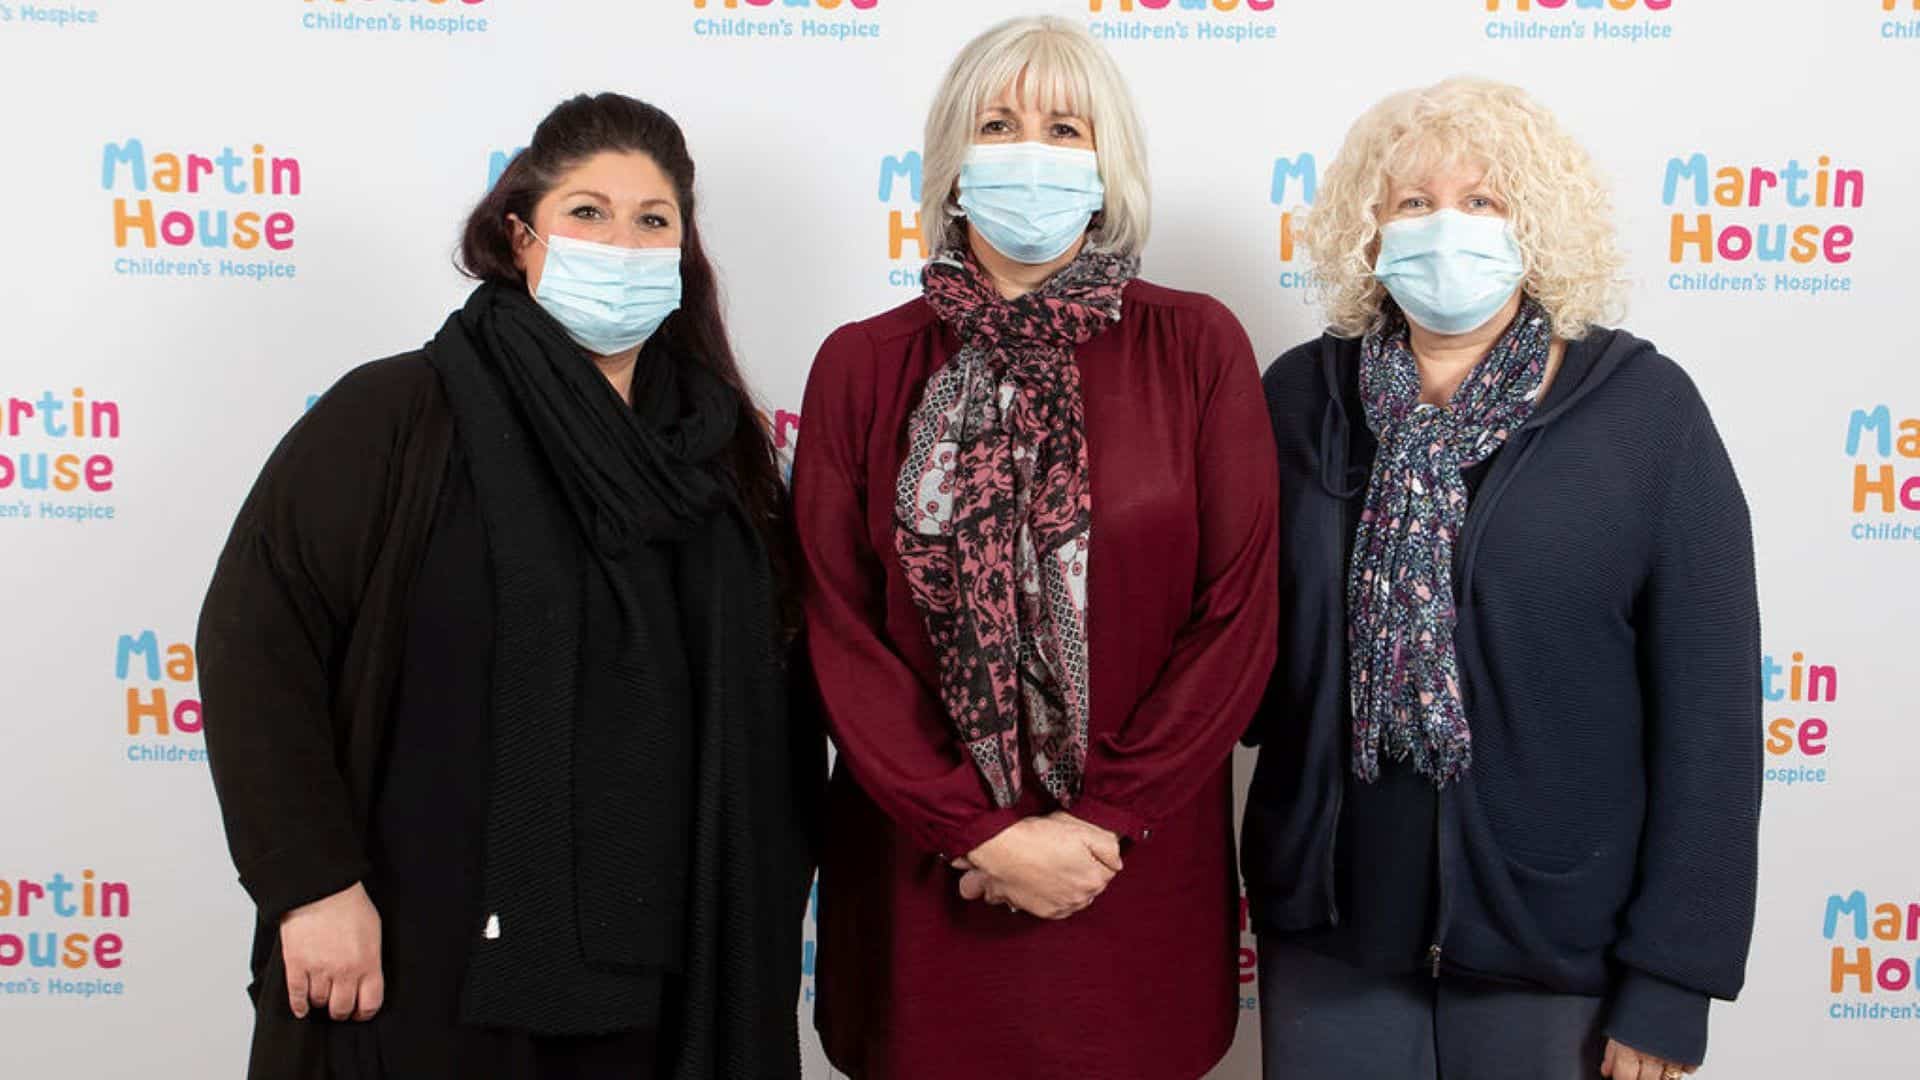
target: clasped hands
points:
(1051, 867)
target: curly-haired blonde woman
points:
(1504, 823)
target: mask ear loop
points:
(955, 219)
(515, 218)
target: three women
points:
(498, 713)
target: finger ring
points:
(1011, 906)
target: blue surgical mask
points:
(608, 299)
(1450, 272)
(1029, 200)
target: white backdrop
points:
(187, 362)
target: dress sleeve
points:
(1687, 928)
(1186, 726)
(272, 631)
(887, 724)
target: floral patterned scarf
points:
(1404, 676)
(994, 512)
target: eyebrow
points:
(668, 203)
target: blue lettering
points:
(1768, 669)
(1302, 168)
(230, 176)
(907, 166)
(1880, 420)
(130, 153)
(1855, 904)
(147, 645)
(50, 415)
(1679, 169)
(497, 163)
(59, 887)
(1793, 174)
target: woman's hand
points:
(1051, 867)
(1625, 1063)
(1104, 845)
(332, 951)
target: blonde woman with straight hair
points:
(1036, 520)
(1509, 830)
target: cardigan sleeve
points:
(1689, 923)
(272, 634)
(888, 725)
(1186, 726)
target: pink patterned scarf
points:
(994, 512)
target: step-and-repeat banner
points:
(212, 208)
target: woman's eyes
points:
(594, 213)
(1474, 202)
(1060, 130)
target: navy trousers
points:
(1323, 1019)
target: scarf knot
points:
(993, 515)
(1404, 673)
(630, 473)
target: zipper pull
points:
(1433, 958)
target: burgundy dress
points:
(912, 981)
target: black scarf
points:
(638, 703)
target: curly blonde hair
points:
(1556, 199)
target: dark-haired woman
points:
(493, 670)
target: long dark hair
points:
(573, 132)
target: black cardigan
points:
(1606, 838)
(300, 644)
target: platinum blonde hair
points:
(1052, 64)
(1555, 197)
